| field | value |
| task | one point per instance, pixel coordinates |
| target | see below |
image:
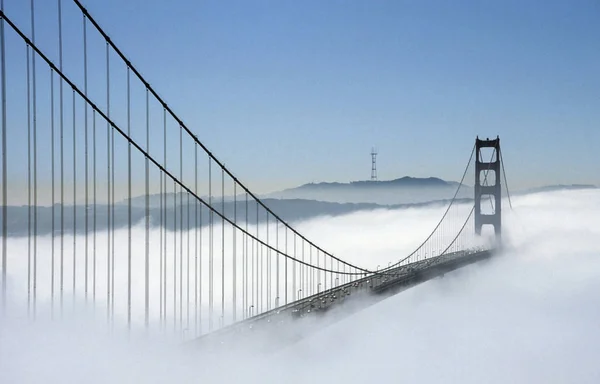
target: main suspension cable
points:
(441, 220)
(505, 182)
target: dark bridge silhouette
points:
(84, 133)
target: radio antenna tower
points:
(373, 164)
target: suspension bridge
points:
(112, 202)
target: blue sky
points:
(288, 92)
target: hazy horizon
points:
(17, 195)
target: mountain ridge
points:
(403, 190)
(405, 181)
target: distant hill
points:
(288, 209)
(405, 181)
(405, 190)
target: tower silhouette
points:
(488, 191)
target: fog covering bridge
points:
(84, 134)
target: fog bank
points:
(529, 315)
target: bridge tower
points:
(485, 192)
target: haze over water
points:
(528, 315)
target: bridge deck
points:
(376, 287)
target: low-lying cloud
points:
(528, 315)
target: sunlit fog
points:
(527, 315)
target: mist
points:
(528, 315)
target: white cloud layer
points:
(530, 315)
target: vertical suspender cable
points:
(294, 284)
(74, 200)
(200, 246)
(147, 215)
(257, 294)
(128, 201)
(174, 256)
(245, 262)
(277, 264)
(259, 267)
(52, 192)
(162, 238)
(234, 273)
(35, 226)
(210, 249)
(303, 269)
(94, 203)
(187, 301)
(108, 212)
(285, 284)
(28, 183)
(163, 288)
(4, 165)
(112, 226)
(87, 207)
(312, 271)
(196, 250)
(180, 230)
(252, 279)
(268, 267)
(318, 272)
(223, 247)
